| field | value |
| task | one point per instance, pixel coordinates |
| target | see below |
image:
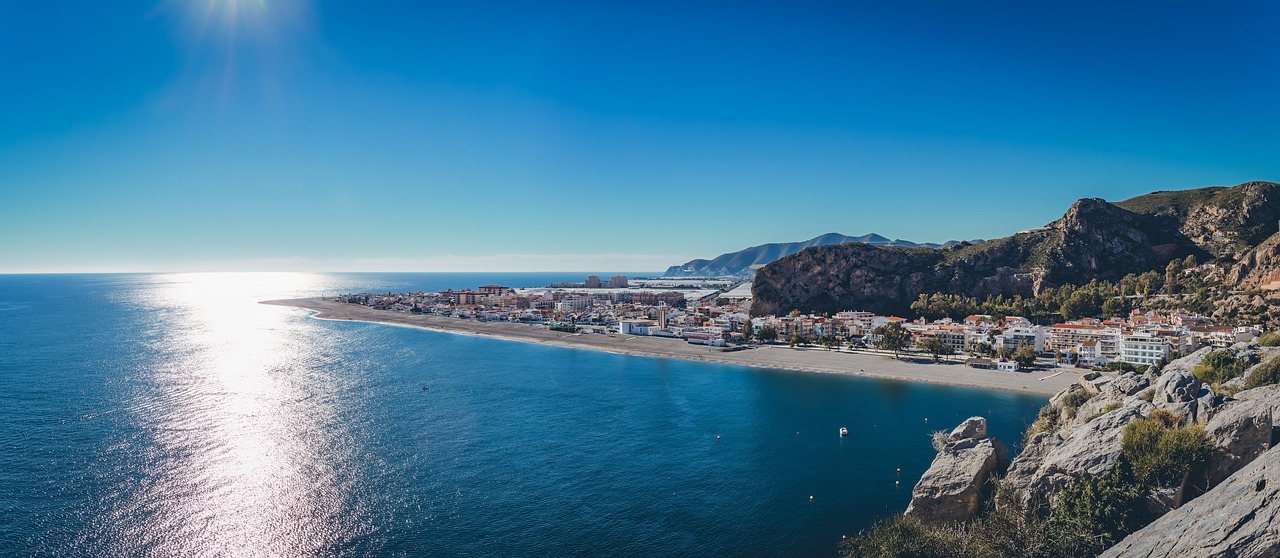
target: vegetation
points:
(1221, 366)
(892, 337)
(936, 347)
(1025, 356)
(1270, 339)
(1072, 402)
(1090, 516)
(747, 330)
(767, 334)
(1117, 366)
(1265, 374)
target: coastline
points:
(778, 357)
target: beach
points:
(908, 368)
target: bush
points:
(1048, 421)
(1160, 450)
(1264, 374)
(1220, 366)
(1270, 339)
(1107, 508)
(1073, 401)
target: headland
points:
(779, 357)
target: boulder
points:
(972, 427)
(1130, 383)
(1239, 433)
(1239, 518)
(1053, 460)
(953, 488)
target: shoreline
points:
(777, 357)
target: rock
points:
(1239, 433)
(1056, 400)
(953, 488)
(1128, 384)
(1088, 450)
(972, 427)
(1163, 500)
(1238, 518)
(1091, 375)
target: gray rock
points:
(1088, 450)
(1128, 384)
(1238, 518)
(953, 488)
(972, 427)
(1239, 433)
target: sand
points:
(870, 364)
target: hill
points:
(743, 262)
(1094, 239)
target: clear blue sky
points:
(296, 134)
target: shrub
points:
(1160, 450)
(1270, 339)
(1264, 374)
(939, 439)
(1073, 401)
(1106, 508)
(1048, 420)
(1220, 366)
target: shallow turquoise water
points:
(172, 415)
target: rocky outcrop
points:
(954, 487)
(1239, 518)
(1239, 433)
(1184, 395)
(1052, 460)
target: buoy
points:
(899, 471)
(811, 498)
(896, 483)
(717, 436)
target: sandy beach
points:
(781, 357)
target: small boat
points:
(844, 431)
(425, 388)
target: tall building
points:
(618, 282)
(593, 282)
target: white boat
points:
(844, 431)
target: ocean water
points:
(172, 415)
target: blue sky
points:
(283, 135)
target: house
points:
(984, 363)
(1007, 365)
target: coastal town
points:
(716, 313)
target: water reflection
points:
(244, 458)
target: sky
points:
(206, 135)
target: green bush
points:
(1264, 374)
(1220, 366)
(1107, 508)
(1270, 339)
(1073, 401)
(1049, 420)
(1160, 451)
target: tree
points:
(892, 337)
(794, 314)
(1114, 307)
(935, 347)
(1025, 356)
(829, 341)
(767, 334)
(747, 330)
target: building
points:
(636, 327)
(618, 282)
(1014, 337)
(593, 282)
(1144, 348)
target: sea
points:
(173, 415)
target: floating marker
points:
(896, 483)
(811, 498)
(899, 471)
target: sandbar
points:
(870, 364)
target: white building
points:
(636, 327)
(1014, 337)
(1144, 348)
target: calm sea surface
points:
(172, 415)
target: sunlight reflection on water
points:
(246, 460)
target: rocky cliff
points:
(1224, 502)
(1094, 239)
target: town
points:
(716, 312)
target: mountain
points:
(744, 261)
(1094, 239)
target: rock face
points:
(1238, 518)
(953, 488)
(1094, 239)
(1087, 450)
(1239, 433)
(1182, 393)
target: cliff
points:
(1094, 239)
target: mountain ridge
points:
(742, 262)
(1094, 239)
